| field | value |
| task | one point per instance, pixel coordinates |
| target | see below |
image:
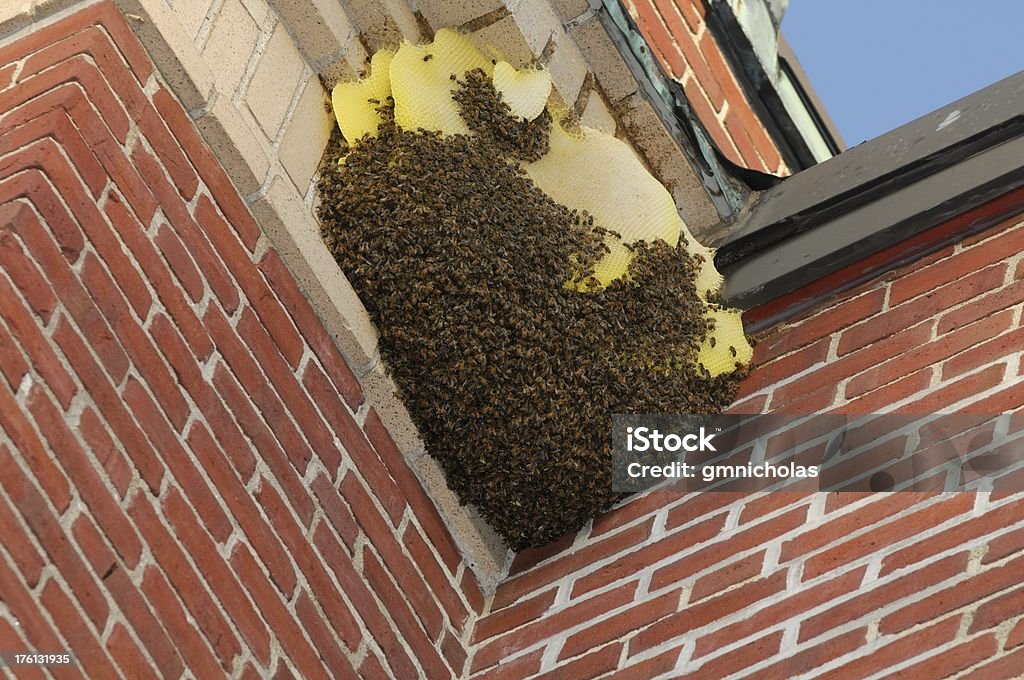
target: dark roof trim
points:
(876, 195)
(760, 91)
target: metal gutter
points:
(876, 195)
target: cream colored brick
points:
(537, 22)
(596, 114)
(320, 28)
(307, 134)
(604, 59)
(454, 13)
(277, 75)
(383, 23)
(230, 45)
(191, 14)
(180, 63)
(504, 39)
(571, 9)
(642, 124)
(239, 150)
(568, 68)
(295, 233)
(258, 10)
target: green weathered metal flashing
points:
(668, 97)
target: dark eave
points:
(869, 198)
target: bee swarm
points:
(510, 374)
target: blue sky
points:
(877, 64)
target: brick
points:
(94, 661)
(421, 504)
(775, 370)
(1002, 546)
(233, 28)
(78, 70)
(987, 352)
(273, 83)
(522, 638)
(698, 615)
(208, 167)
(180, 262)
(964, 533)
(335, 510)
(370, 466)
(16, 541)
(808, 660)
(73, 296)
(252, 284)
(1005, 401)
(705, 112)
(127, 596)
(28, 335)
(123, 650)
(904, 527)
(739, 659)
(168, 152)
(355, 587)
(266, 445)
(1004, 666)
(883, 398)
(57, 125)
(721, 550)
(649, 668)
(177, 459)
(13, 365)
(405, 618)
(941, 399)
(132, 234)
(728, 576)
(515, 588)
(834, 318)
(998, 610)
(183, 631)
(237, 498)
(255, 384)
(635, 507)
(104, 450)
(792, 607)
(24, 608)
(40, 519)
(333, 658)
(882, 595)
(435, 576)
(192, 235)
(935, 301)
(311, 328)
(954, 660)
(32, 453)
(524, 666)
(327, 596)
(236, 604)
(24, 274)
(83, 475)
(1016, 636)
(191, 589)
(836, 529)
(372, 668)
(620, 625)
(956, 596)
(592, 665)
(255, 337)
(385, 542)
(981, 307)
(471, 589)
(513, 616)
(885, 657)
(928, 354)
(637, 559)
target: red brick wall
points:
(775, 585)
(676, 31)
(189, 475)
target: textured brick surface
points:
(190, 479)
(829, 585)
